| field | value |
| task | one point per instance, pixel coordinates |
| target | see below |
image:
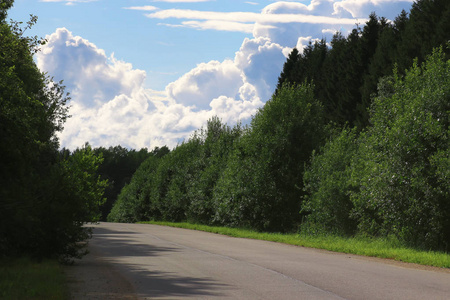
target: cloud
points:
(206, 82)
(182, 1)
(143, 8)
(285, 22)
(248, 17)
(89, 74)
(288, 33)
(254, 71)
(261, 62)
(214, 25)
(362, 8)
(282, 22)
(110, 104)
(69, 2)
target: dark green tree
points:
(44, 201)
(262, 184)
(401, 185)
(118, 166)
(133, 203)
(218, 141)
(32, 110)
(290, 71)
(326, 205)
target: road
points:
(133, 261)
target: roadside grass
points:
(366, 246)
(23, 278)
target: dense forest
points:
(117, 168)
(46, 195)
(355, 140)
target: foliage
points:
(261, 186)
(44, 200)
(381, 169)
(132, 204)
(401, 170)
(392, 179)
(218, 141)
(178, 186)
(346, 75)
(118, 165)
(327, 203)
(173, 180)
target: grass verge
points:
(23, 278)
(373, 247)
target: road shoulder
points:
(93, 278)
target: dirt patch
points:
(93, 278)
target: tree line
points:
(346, 75)
(355, 140)
(117, 167)
(46, 195)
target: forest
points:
(46, 195)
(354, 141)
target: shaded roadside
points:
(92, 278)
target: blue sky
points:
(165, 52)
(145, 73)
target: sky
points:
(148, 73)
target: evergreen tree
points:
(290, 72)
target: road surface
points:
(132, 261)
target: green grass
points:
(373, 247)
(24, 278)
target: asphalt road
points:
(168, 263)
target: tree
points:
(32, 110)
(133, 202)
(401, 187)
(382, 59)
(262, 184)
(428, 27)
(218, 141)
(74, 202)
(290, 70)
(44, 201)
(118, 166)
(326, 205)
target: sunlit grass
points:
(374, 247)
(26, 279)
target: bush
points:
(262, 184)
(402, 166)
(327, 204)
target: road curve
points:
(169, 263)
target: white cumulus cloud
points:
(88, 73)
(206, 82)
(111, 106)
(261, 62)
